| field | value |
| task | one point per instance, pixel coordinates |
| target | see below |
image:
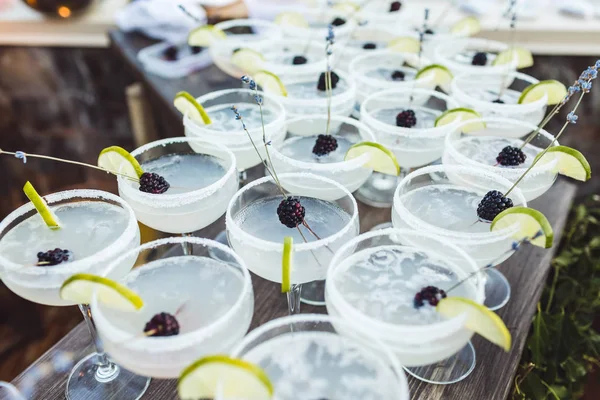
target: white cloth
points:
(161, 19)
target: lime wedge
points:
(480, 319)
(114, 158)
(461, 114)
(382, 159)
(438, 74)
(247, 60)
(520, 55)
(231, 378)
(41, 206)
(291, 19)
(186, 103)
(533, 225)
(270, 83)
(571, 162)
(286, 264)
(205, 35)
(79, 289)
(555, 91)
(404, 44)
(346, 7)
(467, 26)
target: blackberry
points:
(338, 21)
(325, 144)
(291, 212)
(429, 294)
(171, 53)
(492, 204)
(162, 324)
(369, 46)
(479, 58)
(395, 6)
(511, 156)
(334, 81)
(299, 60)
(406, 119)
(398, 75)
(53, 257)
(429, 31)
(196, 49)
(153, 183)
(498, 101)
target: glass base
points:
(448, 371)
(497, 290)
(378, 190)
(313, 293)
(218, 254)
(88, 381)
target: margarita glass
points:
(227, 131)
(498, 96)
(413, 147)
(256, 234)
(279, 55)
(479, 150)
(312, 356)
(202, 176)
(96, 227)
(211, 299)
(442, 200)
(317, 21)
(372, 283)
(295, 154)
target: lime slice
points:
(117, 159)
(270, 83)
(555, 91)
(291, 19)
(346, 7)
(286, 264)
(382, 159)
(220, 376)
(247, 60)
(467, 26)
(480, 319)
(533, 225)
(404, 44)
(187, 104)
(205, 35)
(79, 289)
(41, 206)
(438, 74)
(571, 162)
(461, 114)
(520, 55)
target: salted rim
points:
(433, 132)
(464, 97)
(266, 245)
(342, 166)
(475, 238)
(443, 326)
(312, 15)
(171, 343)
(516, 171)
(119, 244)
(318, 102)
(177, 200)
(473, 42)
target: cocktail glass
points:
(318, 20)
(279, 55)
(414, 147)
(10, 392)
(479, 150)
(313, 356)
(256, 234)
(372, 283)
(211, 299)
(482, 92)
(96, 227)
(295, 153)
(442, 200)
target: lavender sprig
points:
(330, 41)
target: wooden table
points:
(493, 376)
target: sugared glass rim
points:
(342, 166)
(119, 244)
(418, 224)
(433, 331)
(432, 132)
(166, 200)
(182, 341)
(266, 245)
(317, 102)
(474, 69)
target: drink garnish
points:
(270, 83)
(299, 60)
(406, 119)
(395, 6)
(519, 55)
(162, 324)
(186, 104)
(511, 156)
(54, 257)
(461, 114)
(492, 204)
(398, 75)
(571, 162)
(429, 294)
(115, 158)
(533, 225)
(290, 212)
(324, 145)
(248, 60)
(480, 59)
(205, 35)
(404, 44)
(286, 264)
(553, 89)
(41, 206)
(80, 289)
(153, 183)
(467, 26)
(338, 21)
(291, 18)
(322, 84)
(437, 74)
(382, 159)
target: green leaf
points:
(574, 370)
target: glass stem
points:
(187, 246)
(293, 297)
(107, 370)
(243, 178)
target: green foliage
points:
(563, 347)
